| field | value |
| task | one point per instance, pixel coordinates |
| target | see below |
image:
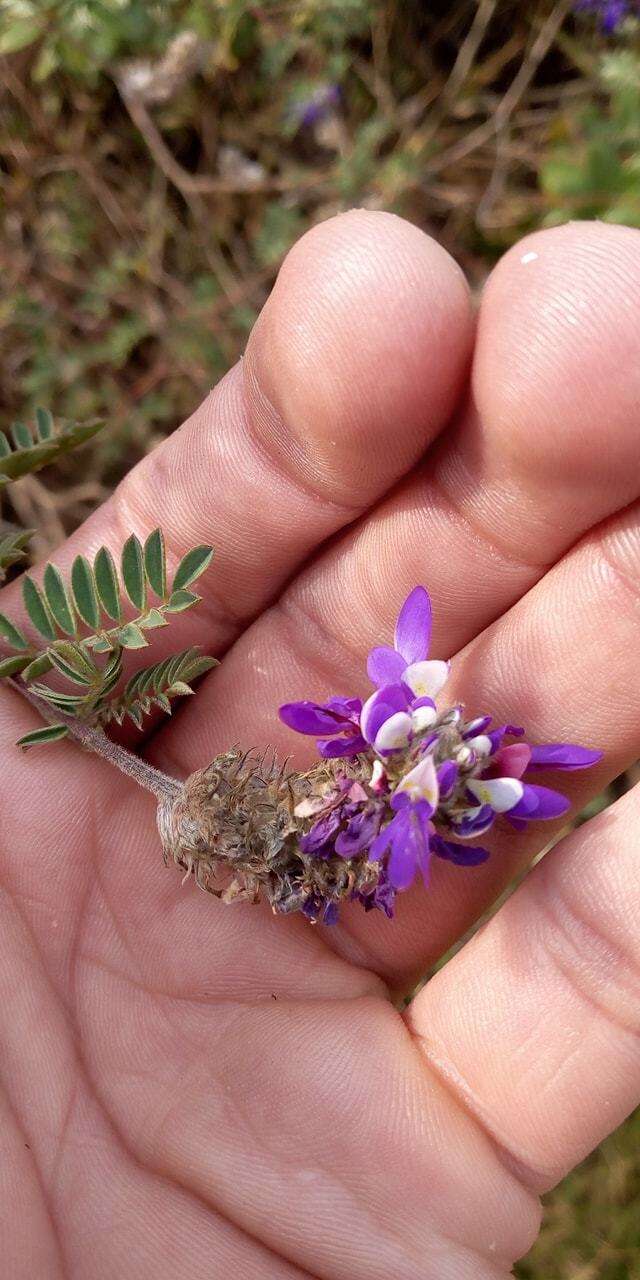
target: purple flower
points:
(610, 12)
(317, 106)
(427, 784)
(407, 663)
(337, 716)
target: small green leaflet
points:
(155, 563)
(84, 592)
(36, 607)
(12, 633)
(49, 733)
(133, 575)
(191, 566)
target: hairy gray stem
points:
(161, 785)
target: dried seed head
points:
(233, 825)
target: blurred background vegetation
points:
(158, 159)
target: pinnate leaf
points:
(73, 662)
(14, 547)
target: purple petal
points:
(382, 841)
(518, 824)
(447, 778)
(498, 734)
(333, 748)
(512, 761)
(413, 628)
(385, 665)
(476, 823)
(380, 707)
(474, 727)
(312, 717)
(464, 855)
(540, 803)
(319, 840)
(563, 755)
(406, 848)
(360, 831)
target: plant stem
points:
(94, 739)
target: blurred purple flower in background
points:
(610, 12)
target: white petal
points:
(421, 783)
(378, 779)
(482, 745)
(426, 679)
(501, 793)
(423, 718)
(394, 733)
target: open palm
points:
(193, 1090)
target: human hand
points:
(191, 1089)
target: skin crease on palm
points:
(195, 1090)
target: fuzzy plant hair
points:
(401, 777)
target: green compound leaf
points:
(72, 661)
(108, 587)
(29, 450)
(191, 566)
(155, 563)
(84, 592)
(157, 685)
(132, 565)
(13, 549)
(11, 666)
(58, 600)
(49, 733)
(12, 634)
(36, 607)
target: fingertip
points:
(557, 360)
(360, 353)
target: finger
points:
(528, 470)
(354, 365)
(535, 1025)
